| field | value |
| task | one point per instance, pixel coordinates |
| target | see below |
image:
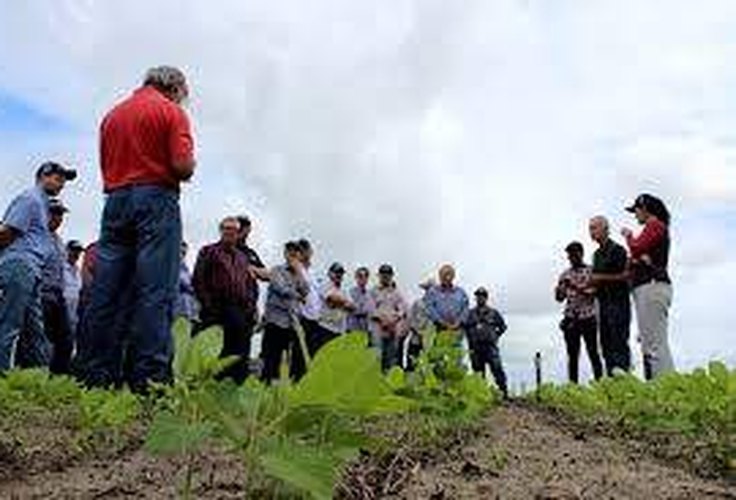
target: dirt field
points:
(519, 453)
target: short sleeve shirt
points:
(28, 214)
(332, 318)
(578, 305)
(611, 258)
(141, 138)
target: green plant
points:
(296, 436)
(701, 405)
(441, 384)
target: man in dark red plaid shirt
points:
(224, 287)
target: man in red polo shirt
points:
(146, 151)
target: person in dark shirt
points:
(223, 285)
(258, 269)
(484, 327)
(652, 287)
(609, 277)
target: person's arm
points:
(260, 273)
(181, 147)
(500, 323)
(650, 236)
(17, 219)
(561, 288)
(7, 235)
(464, 310)
(200, 279)
(432, 307)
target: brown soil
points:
(517, 453)
(523, 454)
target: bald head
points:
(598, 228)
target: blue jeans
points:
(130, 313)
(21, 320)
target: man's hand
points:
(627, 233)
(7, 235)
(183, 170)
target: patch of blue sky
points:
(19, 115)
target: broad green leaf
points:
(171, 434)
(344, 375)
(304, 467)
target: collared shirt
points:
(141, 138)
(578, 304)
(358, 319)
(52, 273)
(72, 290)
(222, 277)
(388, 312)
(447, 305)
(28, 214)
(186, 302)
(611, 258)
(484, 325)
(284, 296)
(333, 318)
(312, 305)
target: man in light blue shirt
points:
(447, 304)
(25, 242)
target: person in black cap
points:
(651, 284)
(610, 280)
(579, 317)
(25, 242)
(336, 306)
(484, 327)
(258, 269)
(388, 314)
(55, 313)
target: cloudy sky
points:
(415, 132)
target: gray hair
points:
(165, 78)
(600, 219)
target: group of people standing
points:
(115, 314)
(598, 297)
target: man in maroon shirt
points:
(146, 151)
(224, 285)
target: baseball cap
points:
(337, 268)
(481, 291)
(386, 269)
(57, 207)
(52, 167)
(642, 201)
(74, 245)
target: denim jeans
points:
(22, 337)
(130, 312)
